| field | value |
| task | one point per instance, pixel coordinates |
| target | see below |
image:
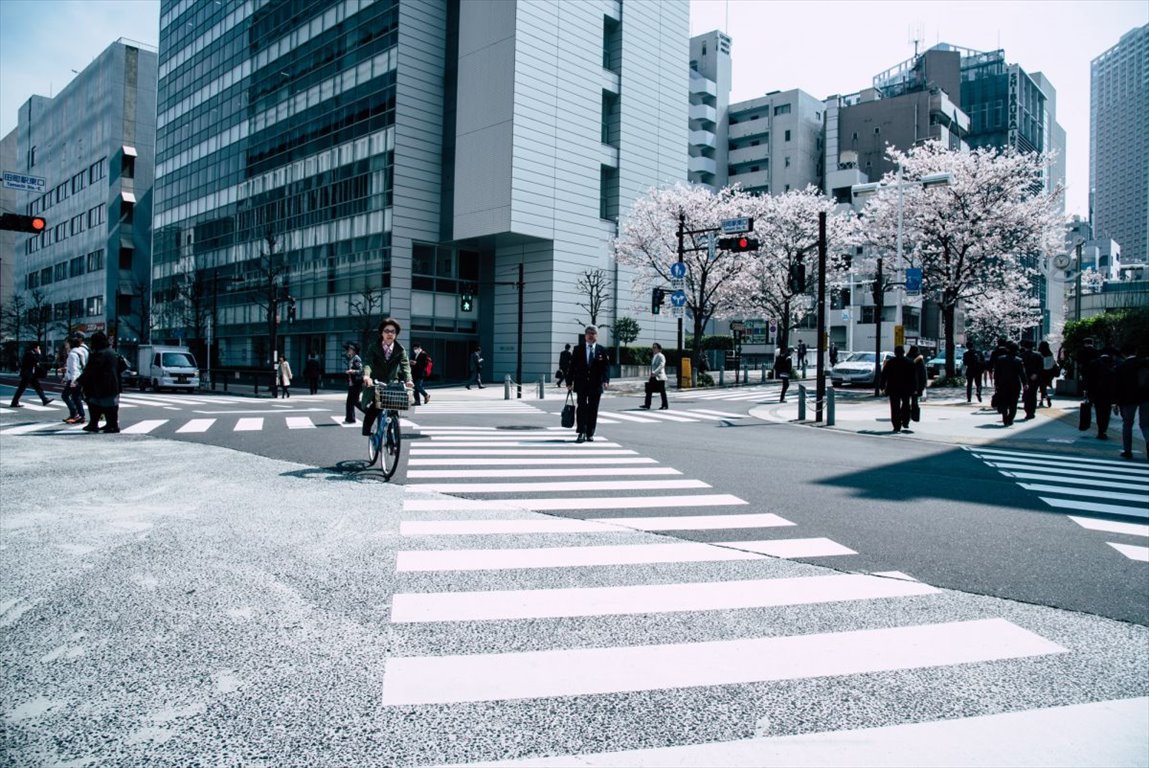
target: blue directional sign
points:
(678, 299)
(678, 270)
(913, 280)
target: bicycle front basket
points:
(394, 396)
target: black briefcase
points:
(568, 414)
(1084, 415)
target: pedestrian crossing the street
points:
(510, 595)
(1085, 486)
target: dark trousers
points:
(586, 414)
(1103, 409)
(1029, 399)
(284, 391)
(1007, 404)
(972, 380)
(785, 386)
(25, 383)
(419, 389)
(353, 392)
(659, 386)
(72, 399)
(111, 414)
(899, 411)
(313, 385)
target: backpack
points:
(427, 369)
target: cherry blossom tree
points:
(779, 281)
(971, 235)
(1003, 311)
(648, 243)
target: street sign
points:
(678, 312)
(899, 335)
(736, 325)
(23, 181)
(737, 226)
(678, 299)
(913, 280)
(678, 270)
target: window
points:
(61, 271)
(782, 109)
(95, 306)
(32, 280)
(96, 260)
(128, 169)
(77, 182)
(46, 276)
(76, 308)
(787, 135)
(787, 161)
(95, 216)
(127, 212)
(76, 267)
(126, 255)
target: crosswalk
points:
(1087, 486)
(752, 394)
(497, 606)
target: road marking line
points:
(1091, 492)
(1099, 733)
(1056, 457)
(792, 548)
(720, 413)
(894, 575)
(672, 417)
(551, 442)
(1111, 526)
(595, 525)
(503, 436)
(454, 503)
(501, 605)
(248, 425)
(583, 485)
(587, 453)
(410, 561)
(1141, 554)
(573, 461)
(197, 425)
(536, 674)
(579, 471)
(1098, 483)
(143, 427)
(299, 422)
(632, 417)
(1083, 470)
(339, 420)
(24, 429)
(1086, 506)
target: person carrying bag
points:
(657, 380)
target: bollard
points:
(507, 387)
(763, 375)
(801, 402)
(745, 374)
(829, 406)
(722, 376)
(542, 390)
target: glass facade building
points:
(321, 164)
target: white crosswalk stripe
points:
(143, 427)
(197, 425)
(1081, 485)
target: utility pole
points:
(820, 367)
(879, 292)
(519, 357)
(681, 255)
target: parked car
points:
(937, 366)
(856, 368)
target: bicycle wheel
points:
(375, 440)
(392, 444)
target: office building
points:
(323, 164)
(775, 142)
(709, 102)
(1119, 144)
(92, 145)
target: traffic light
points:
(14, 222)
(797, 278)
(738, 244)
(466, 302)
(291, 309)
(656, 297)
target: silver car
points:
(856, 368)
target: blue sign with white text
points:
(678, 299)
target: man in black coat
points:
(899, 382)
(1008, 381)
(589, 376)
(1034, 369)
(1099, 387)
(30, 375)
(971, 365)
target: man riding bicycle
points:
(384, 362)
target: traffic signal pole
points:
(820, 368)
(681, 258)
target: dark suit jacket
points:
(585, 377)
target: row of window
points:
(66, 311)
(74, 226)
(77, 266)
(62, 192)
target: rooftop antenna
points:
(726, 28)
(915, 36)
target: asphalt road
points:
(221, 580)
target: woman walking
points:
(1048, 373)
(657, 380)
(283, 376)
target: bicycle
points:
(386, 441)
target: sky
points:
(821, 46)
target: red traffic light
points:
(743, 243)
(14, 222)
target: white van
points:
(170, 367)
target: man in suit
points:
(589, 376)
(30, 375)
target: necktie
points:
(386, 353)
(589, 353)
